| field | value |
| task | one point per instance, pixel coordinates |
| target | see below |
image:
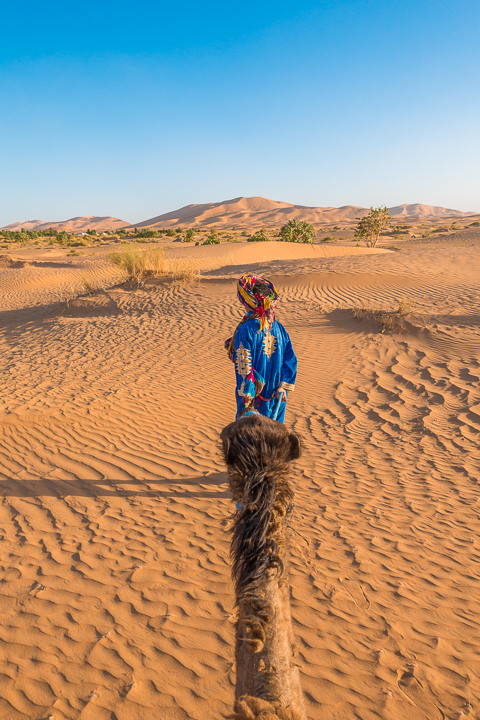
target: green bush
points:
(259, 237)
(145, 233)
(189, 236)
(297, 231)
(211, 240)
(372, 225)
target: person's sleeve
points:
(243, 364)
(288, 374)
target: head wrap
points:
(259, 301)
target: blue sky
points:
(135, 109)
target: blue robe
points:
(269, 353)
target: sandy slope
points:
(417, 210)
(249, 211)
(115, 593)
(75, 224)
(244, 212)
(259, 211)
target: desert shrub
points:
(79, 242)
(212, 239)
(297, 231)
(189, 235)
(328, 238)
(259, 237)
(145, 233)
(136, 264)
(372, 225)
(89, 285)
(63, 238)
(170, 232)
(91, 232)
(22, 237)
(387, 321)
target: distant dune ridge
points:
(262, 211)
(249, 211)
(241, 211)
(75, 224)
(425, 211)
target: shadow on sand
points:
(206, 486)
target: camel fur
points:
(258, 452)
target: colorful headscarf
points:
(261, 305)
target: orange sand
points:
(115, 593)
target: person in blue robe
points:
(265, 363)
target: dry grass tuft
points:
(68, 295)
(387, 321)
(136, 264)
(184, 271)
(89, 285)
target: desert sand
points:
(116, 599)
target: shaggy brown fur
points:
(258, 452)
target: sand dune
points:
(241, 211)
(76, 224)
(425, 211)
(237, 255)
(249, 211)
(258, 211)
(116, 597)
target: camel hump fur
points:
(258, 453)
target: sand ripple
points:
(115, 593)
